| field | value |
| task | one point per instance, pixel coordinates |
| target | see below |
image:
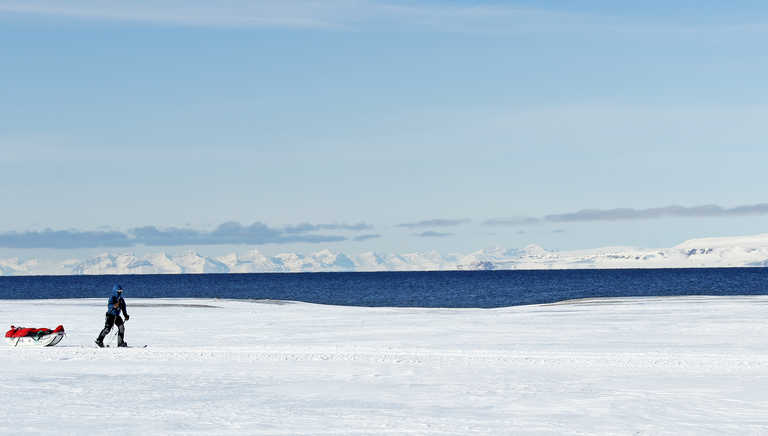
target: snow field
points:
(673, 365)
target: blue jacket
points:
(115, 298)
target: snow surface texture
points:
(673, 365)
(708, 252)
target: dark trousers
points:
(110, 321)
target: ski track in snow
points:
(671, 365)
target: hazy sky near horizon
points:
(379, 125)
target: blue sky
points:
(357, 117)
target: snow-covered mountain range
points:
(743, 251)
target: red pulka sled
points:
(31, 337)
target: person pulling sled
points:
(115, 305)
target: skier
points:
(115, 305)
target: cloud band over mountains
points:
(234, 233)
(230, 233)
(433, 234)
(434, 223)
(307, 227)
(621, 214)
(366, 237)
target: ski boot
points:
(122, 344)
(99, 343)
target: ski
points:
(130, 346)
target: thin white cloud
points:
(490, 17)
(236, 13)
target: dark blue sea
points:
(484, 289)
